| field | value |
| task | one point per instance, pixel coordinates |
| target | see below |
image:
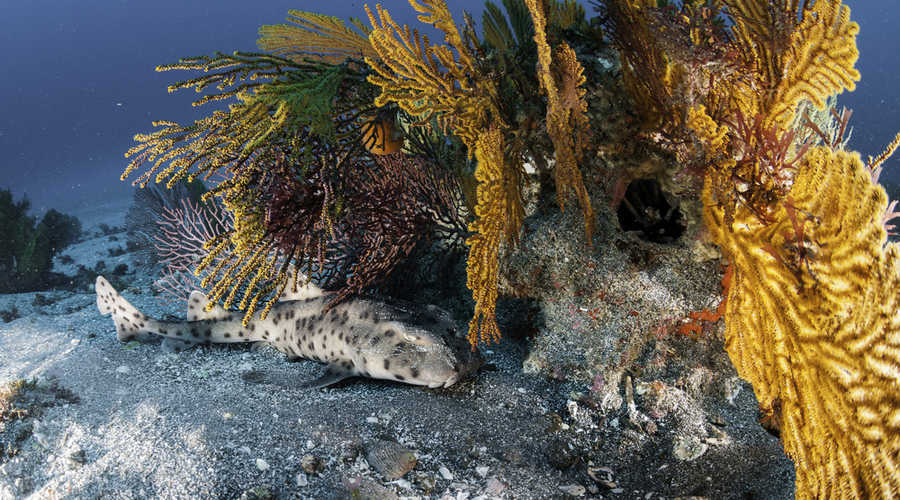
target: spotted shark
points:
(362, 336)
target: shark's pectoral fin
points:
(334, 373)
(175, 345)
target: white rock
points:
(42, 440)
(482, 471)
(494, 486)
(403, 484)
(688, 449)
(301, 480)
(123, 369)
(445, 473)
(262, 464)
(576, 490)
(733, 387)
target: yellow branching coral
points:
(809, 60)
(316, 36)
(561, 76)
(426, 80)
(812, 317)
(646, 69)
(493, 212)
(874, 164)
(713, 136)
(812, 323)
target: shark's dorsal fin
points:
(305, 288)
(197, 308)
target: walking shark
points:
(362, 336)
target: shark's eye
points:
(409, 338)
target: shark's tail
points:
(131, 324)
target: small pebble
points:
(445, 473)
(301, 480)
(689, 449)
(494, 487)
(482, 471)
(573, 489)
(123, 369)
(262, 464)
(312, 465)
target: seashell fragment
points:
(373, 491)
(392, 460)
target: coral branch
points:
(566, 112)
(316, 36)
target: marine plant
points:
(15, 226)
(811, 308)
(29, 248)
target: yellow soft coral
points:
(567, 119)
(713, 136)
(492, 222)
(647, 71)
(812, 317)
(822, 351)
(427, 80)
(809, 60)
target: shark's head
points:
(417, 345)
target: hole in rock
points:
(645, 211)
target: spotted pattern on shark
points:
(363, 336)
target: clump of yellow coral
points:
(822, 353)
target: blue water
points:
(78, 81)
